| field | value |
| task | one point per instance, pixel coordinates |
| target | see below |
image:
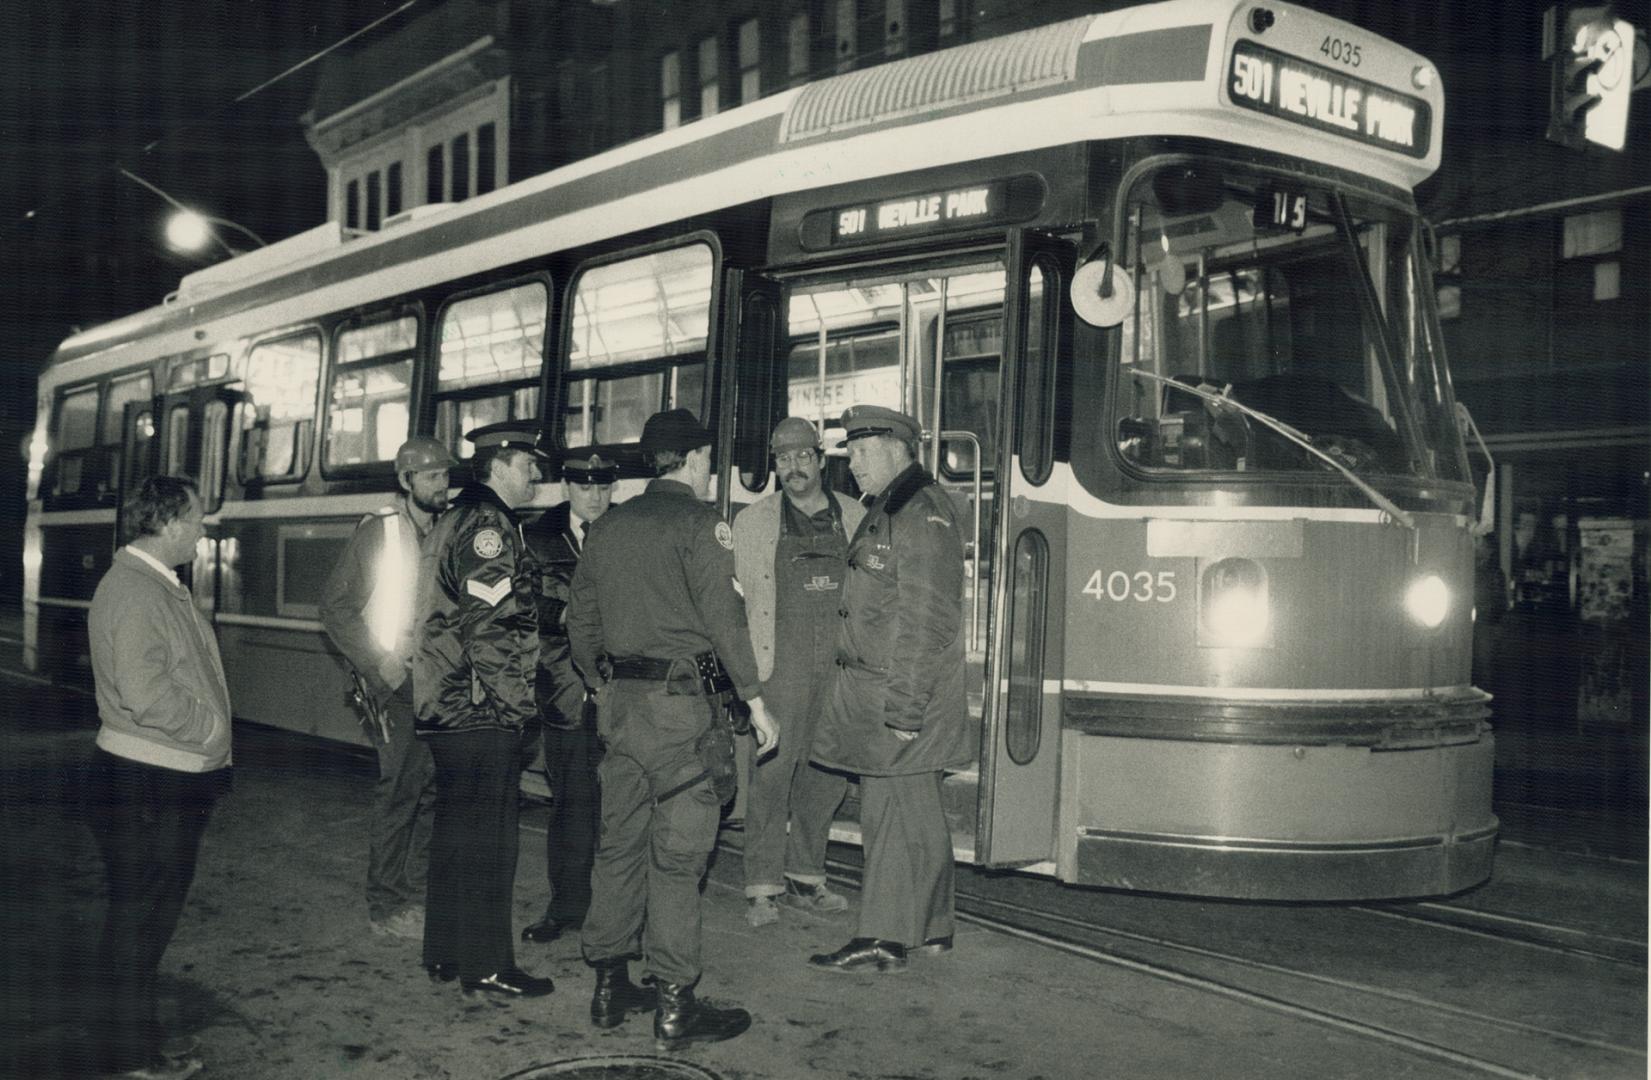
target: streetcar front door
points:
(928, 343)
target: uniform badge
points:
(725, 535)
(488, 543)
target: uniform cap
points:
(674, 429)
(794, 433)
(420, 453)
(864, 421)
(508, 435)
(587, 466)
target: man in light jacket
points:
(162, 760)
(790, 555)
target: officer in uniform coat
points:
(567, 716)
(653, 596)
(898, 713)
(473, 676)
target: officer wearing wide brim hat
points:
(864, 421)
(654, 605)
(567, 718)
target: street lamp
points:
(189, 230)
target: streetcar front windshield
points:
(1304, 303)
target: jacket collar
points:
(128, 557)
(474, 493)
(901, 489)
(670, 487)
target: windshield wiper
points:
(1222, 399)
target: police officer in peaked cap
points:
(655, 612)
(567, 715)
(898, 715)
(473, 678)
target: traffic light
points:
(1592, 54)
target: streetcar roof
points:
(1145, 70)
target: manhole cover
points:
(615, 1067)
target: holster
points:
(715, 750)
(368, 708)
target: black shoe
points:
(863, 954)
(544, 931)
(932, 947)
(616, 997)
(680, 1021)
(512, 983)
(442, 972)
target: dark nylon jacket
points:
(657, 580)
(478, 631)
(900, 643)
(560, 691)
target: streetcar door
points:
(754, 330)
(1020, 738)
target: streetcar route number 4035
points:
(1143, 586)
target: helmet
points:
(419, 453)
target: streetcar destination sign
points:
(1319, 97)
(936, 210)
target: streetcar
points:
(1155, 284)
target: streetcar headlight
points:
(1427, 600)
(1235, 606)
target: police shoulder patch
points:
(488, 543)
(725, 535)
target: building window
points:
(352, 205)
(392, 189)
(485, 159)
(599, 112)
(847, 31)
(1589, 236)
(670, 89)
(434, 182)
(947, 25)
(750, 57)
(710, 87)
(797, 45)
(374, 205)
(894, 27)
(461, 166)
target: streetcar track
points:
(1030, 924)
(1452, 917)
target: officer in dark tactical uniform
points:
(473, 675)
(898, 713)
(567, 715)
(654, 605)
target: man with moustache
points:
(790, 554)
(473, 671)
(367, 610)
(567, 715)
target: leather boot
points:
(680, 1021)
(616, 997)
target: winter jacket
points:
(900, 644)
(161, 694)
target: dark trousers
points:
(571, 759)
(148, 822)
(404, 800)
(649, 859)
(473, 850)
(908, 893)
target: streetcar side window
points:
(86, 450)
(490, 352)
(368, 403)
(74, 435)
(637, 343)
(277, 420)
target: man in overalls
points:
(790, 551)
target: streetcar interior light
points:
(1236, 607)
(1428, 600)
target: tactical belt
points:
(705, 670)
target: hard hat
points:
(794, 433)
(420, 453)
